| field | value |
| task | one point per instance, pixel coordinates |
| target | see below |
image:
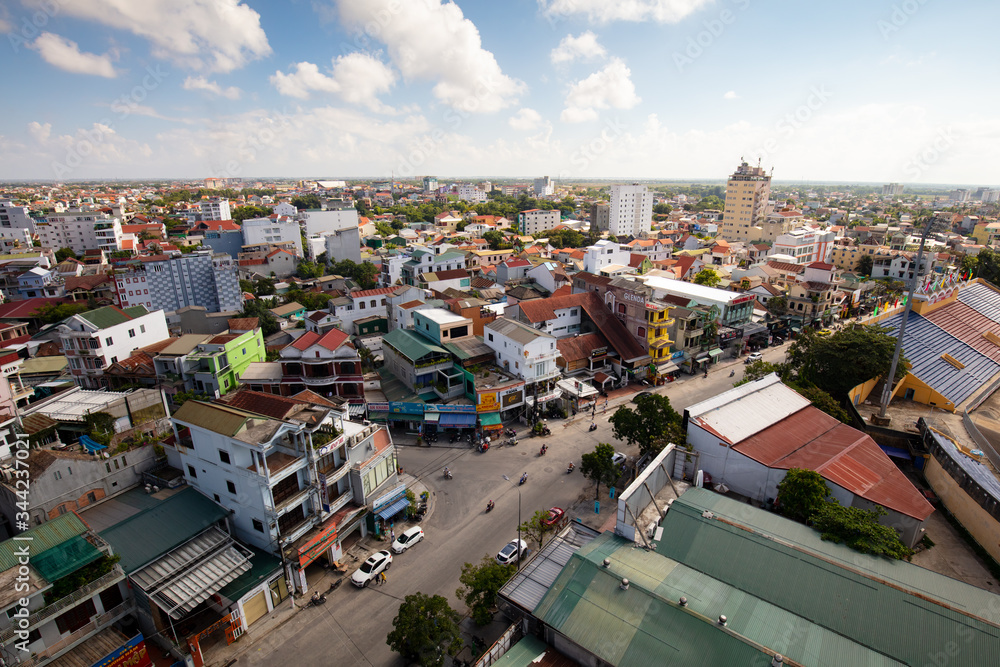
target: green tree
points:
(865, 263)
(859, 529)
(306, 202)
(845, 359)
(495, 239)
(824, 401)
(651, 425)
(65, 253)
(261, 309)
(264, 286)
(425, 629)
(50, 313)
(662, 209)
(801, 494)
(598, 467)
(480, 585)
(707, 277)
(384, 229)
(246, 286)
(366, 274)
(535, 529)
(712, 202)
(309, 300)
(460, 226)
(242, 213)
(307, 270)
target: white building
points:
(631, 211)
(528, 353)
(94, 340)
(15, 221)
(536, 220)
(430, 184)
(272, 230)
(79, 231)
(213, 208)
(322, 222)
(603, 254)
(471, 193)
(805, 244)
(544, 187)
(284, 208)
(342, 244)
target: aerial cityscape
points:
(554, 332)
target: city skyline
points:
(656, 90)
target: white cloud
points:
(730, 95)
(432, 41)
(213, 35)
(201, 83)
(585, 47)
(66, 55)
(609, 88)
(357, 78)
(602, 11)
(525, 119)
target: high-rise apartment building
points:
(892, 190)
(430, 184)
(544, 187)
(747, 192)
(631, 211)
(600, 216)
(200, 278)
(213, 208)
(536, 220)
(470, 193)
(79, 231)
(15, 221)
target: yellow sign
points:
(488, 402)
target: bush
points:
(860, 530)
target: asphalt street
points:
(350, 629)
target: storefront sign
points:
(406, 408)
(512, 398)
(449, 408)
(488, 402)
(742, 299)
(131, 654)
(389, 498)
(330, 446)
(378, 407)
(635, 298)
(598, 351)
(677, 355)
(315, 547)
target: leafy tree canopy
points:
(306, 202)
(801, 493)
(707, 277)
(261, 309)
(865, 263)
(425, 629)
(598, 467)
(860, 530)
(65, 253)
(845, 359)
(480, 585)
(651, 425)
(242, 213)
(535, 530)
(50, 313)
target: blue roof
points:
(923, 345)
(982, 299)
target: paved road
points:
(351, 628)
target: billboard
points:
(130, 654)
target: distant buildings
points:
(747, 193)
(631, 210)
(15, 221)
(600, 216)
(80, 231)
(430, 184)
(214, 208)
(471, 193)
(544, 187)
(892, 190)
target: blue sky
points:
(654, 89)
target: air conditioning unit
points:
(7, 472)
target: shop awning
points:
(378, 416)
(668, 367)
(187, 576)
(393, 509)
(490, 419)
(714, 352)
(457, 419)
(431, 417)
(703, 355)
(355, 409)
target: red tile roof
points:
(269, 405)
(813, 440)
(243, 323)
(86, 282)
(25, 309)
(450, 275)
(371, 292)
(822, 266)
(331, 340)
(576, 348)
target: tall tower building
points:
(747, 193)
(631, 211)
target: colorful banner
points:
(130, 654)
(315, 547)
(488, 402)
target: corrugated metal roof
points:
(144, 537)
(41, 538)
(743, 411)
(106, 316)
(983, 299)
(968, 325)
(923, 344)
(813, 440)
(840, 593)
(213, 417)
(412, 345)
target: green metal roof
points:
(411, 345)
(525, 653)
(136, 311)
(262, 566)
(70, 556)
(106, 316)
(835, 593)
(144, 537)
(213, 417)
(41, 538)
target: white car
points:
(618, 458)
(508, 554)
(371, 568)
(753, 356)
(410, 537)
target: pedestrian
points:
(392, 535)
(382, 578)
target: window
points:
(373, 303)
(491, 337)
(131, 333)
(224, 456)
(192, 473)
(257, 525)
(57, 475)
(217, 498)
(77, 617)
(361, 305)
(107, 341)
(231, 487)
(92, 497)
(142, 327)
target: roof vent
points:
(777, 660)
(684, 601)
(723, 620)
(624, 584)
(607, 562)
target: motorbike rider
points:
(571, 466)
(316, 597)
(447, 472)
(524, 478)
(489, 506)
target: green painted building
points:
(216, 365)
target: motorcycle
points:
(316, 600)
(483, 446)
(541, 452)
(524, 478)
(447, 474)
(593, 426)
(510, 432)
(732, 373)
(510, 442)
(489, 507)
(569, 468)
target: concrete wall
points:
(980, 524)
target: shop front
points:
(546, 402)
(451, 418)
(578, 396)
(389, 509)
(409, 416)
(511, 402)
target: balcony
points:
(294, 500)
(97, 623)
(97, 585)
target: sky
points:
(852, 91)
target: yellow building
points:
(987, 233)
(658, 322)
(846, 257)
(747, 192)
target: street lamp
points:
(518, 549)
